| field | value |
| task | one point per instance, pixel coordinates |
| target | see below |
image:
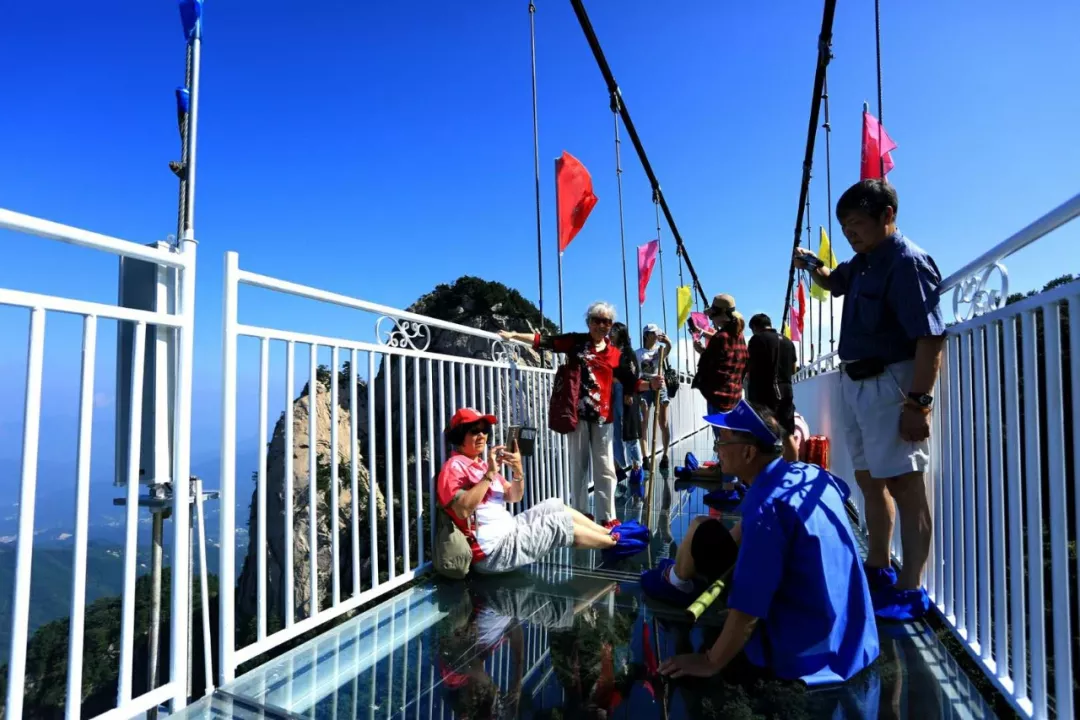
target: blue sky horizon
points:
(379, 150)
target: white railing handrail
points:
(19, 222)
(1047, 297)
(1062, 214)
(246, 277)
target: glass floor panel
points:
(568, 638)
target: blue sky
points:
(377, 149)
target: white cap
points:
(651, 328)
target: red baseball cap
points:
(468, 416)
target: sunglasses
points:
(601, 320)
(478, 430)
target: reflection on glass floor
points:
(566, 639)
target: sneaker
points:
(663, 463)
(656, 583)
(900, 605)
(620, 473)
(879, 578)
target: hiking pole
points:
(655, 425)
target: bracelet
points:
(909, 405)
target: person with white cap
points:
(653, 339)
(474, 495)
(799, 607)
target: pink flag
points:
(700, 320)
(646, 259)
(874, 156)
(793, 324)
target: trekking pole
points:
(655, 425)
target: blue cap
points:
(743, 419)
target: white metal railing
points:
(401, 393)
(999, 482)
(169, 329)
(822, 364)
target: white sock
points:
(678, 582)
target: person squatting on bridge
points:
(475, 494)
(891, 337)
(799, 607)
(599, 361)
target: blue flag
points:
(191, 18)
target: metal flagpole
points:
(618, 178)
(828, 191)
(809, 299)
(880, 114)
(558, 232)
(536, 160)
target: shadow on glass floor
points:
(565, 642)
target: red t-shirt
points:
(598, 369)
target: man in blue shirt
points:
(891, 337)
(799, 606)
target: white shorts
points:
(871, 415)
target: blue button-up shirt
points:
(890, 301)
(800, 572)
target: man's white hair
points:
(601, 308)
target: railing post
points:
(226, 586)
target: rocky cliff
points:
(471, 302)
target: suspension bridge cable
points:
(536, 160)
(618, 179)
(613, 89)
(828, 195)
(823, 57)
(802, 276)
(660, 252)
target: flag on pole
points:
(787, 330)
(574, 197)
(873, 153)
(191, 18)
(683, 302)
(801, 317)
(828, 258)
(646, 259)
(793, 331)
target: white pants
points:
(592, 442)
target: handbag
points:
(563, 409)
(671, 380)
(452, 554)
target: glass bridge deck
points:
(569, 638)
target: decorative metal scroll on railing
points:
(971, 298)
(407, 334)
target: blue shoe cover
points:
(624, 548)
(632, 529)
(691, 462)
(721, 499)
(655, 584)
(900, 605)
(637, 482)
(879, 578)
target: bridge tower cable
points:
(536, 160)
(631, 131)
(829, 214)
(622, 224)
(823, 57)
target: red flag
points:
(646, 259)
(573, 196)
(795, 334)
(872, 154)
(802, 307)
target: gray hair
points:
(604, 309)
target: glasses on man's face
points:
(721, 443)
(601, 320)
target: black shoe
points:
(663, 463)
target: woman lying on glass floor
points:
(476, 494)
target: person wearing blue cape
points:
(799, 607)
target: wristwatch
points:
(920, 400)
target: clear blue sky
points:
(377, 149)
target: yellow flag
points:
(787, 331)
(683, 302)
(829, 259)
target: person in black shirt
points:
(770, 366)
